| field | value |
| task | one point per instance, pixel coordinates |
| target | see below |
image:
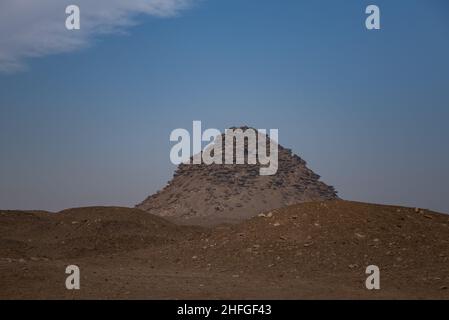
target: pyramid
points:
(216, 193)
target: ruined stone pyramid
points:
(216, 193)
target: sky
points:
(86, 115)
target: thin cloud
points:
(30, 28)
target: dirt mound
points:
(309, 250)
(217, 193)
(334, 242)
(83, 231)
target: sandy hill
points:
(334, 242)
(212, 194)
(308, 250)
(82, 231)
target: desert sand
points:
(313, 250)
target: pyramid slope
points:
(210, 194)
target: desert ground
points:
(315, 250)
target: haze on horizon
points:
(85, 119)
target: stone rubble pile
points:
(237, 191)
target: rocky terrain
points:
(309, 250)
(290, 237)
(217, 193)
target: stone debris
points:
(307, 244)
(237, 191)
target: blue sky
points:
(368, 110)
